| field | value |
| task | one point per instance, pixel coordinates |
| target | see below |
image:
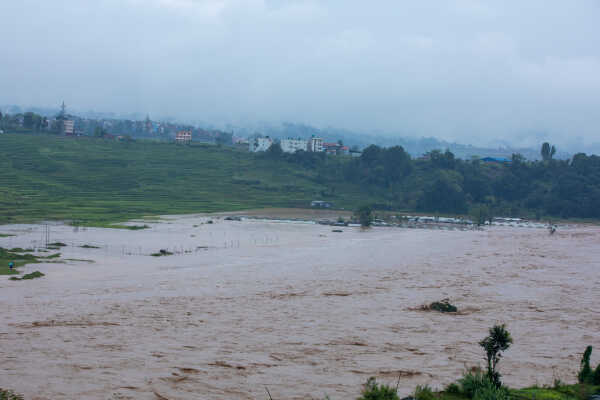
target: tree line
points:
(439, 182)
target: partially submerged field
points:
(293, 306)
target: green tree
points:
(28, 120)
(480, 214)
(224, 138)
(547, 151)
(585, 373)
(274, 151)
(99, 132)
(365, 216)
(596, 378)
(494, 344)
(444, 195)
(32, 121)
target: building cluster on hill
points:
(67, 124)
(314, 144)
(63, 123)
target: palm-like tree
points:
(494, 344)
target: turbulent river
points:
(295, 307)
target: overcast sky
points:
(471, 71)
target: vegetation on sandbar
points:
(162, 253)
(33, 275)
(20, 257)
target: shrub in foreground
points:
(9, 395)
(586, 374)
(473, 381)
(491, 392)
(375, 391)
(424, 393)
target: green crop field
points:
(97, 182)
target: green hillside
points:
(99, 181)
(96, 181)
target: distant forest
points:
(441, 183)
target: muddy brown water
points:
(291, 306)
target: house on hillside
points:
(183, 137)
(69, 127)
(496, 160)
(331, 148)
(320, 204)
(315, 144)
(260, 144)
(293, 145)
(335, 148)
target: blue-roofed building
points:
(497, 160)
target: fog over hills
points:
(416, 146)
(485, 73)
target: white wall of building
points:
(260, 144)
(293, 145)
(316, 144)
(69, 127)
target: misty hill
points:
(416, 147)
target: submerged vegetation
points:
(162, 253)
(443, 306)
(33, 275)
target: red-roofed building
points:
(183, 137)
(335, 148)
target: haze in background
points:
(480, 72)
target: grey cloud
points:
(471, 71)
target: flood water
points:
(294, 307)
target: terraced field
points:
(96, 181)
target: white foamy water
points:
(296, 307)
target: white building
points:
(315, 144)
(69, 127)
(293, 145)
(260, 144)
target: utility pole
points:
(47, 234)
